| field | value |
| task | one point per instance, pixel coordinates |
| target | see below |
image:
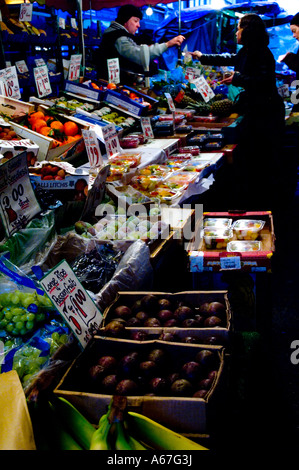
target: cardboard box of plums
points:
(178, 385)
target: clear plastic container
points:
(244, 245)
(217, 238)
(193, 149)
(129, 142)
(247, 229)
(217, 222)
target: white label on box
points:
(10, 83)
(39, 62)
(74, 23)
(61, 23)
(42, 81)
(230, 262)
(18, 204)
(113, 70)
(74, 67)
(21, 66)
(130, 107)
(72, 301)
(25, 12)
(202, 87)
(92, 148)
(111, 139)
(147, 127)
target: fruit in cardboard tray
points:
(168, 336)
(190, 339)
(133, 321)
(190, 323)
(191, 370)
(200, 393)
(152, 322)
(139, 335)
(128, 364)
(148, 369)
(164, 304)
(157, 355)
(171, 322)
(114, 329)
(173, 377)
(217, 308)
(158, 385)
(206, 359)
(164, 315)
(204, 309)
(205, 384)
(136, 307)
(127, 387)
(109, 383)
(96, 374)
(181, 388)
(213, 340)
(141, 316)
(200, 319)
(122, 311)
(212, 374)
(107, 362)
(213, 321)
(149, 303)
(183, 312)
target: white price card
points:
(201, 86)
(113, 70)
(9, 83)
(92, 148)
(74, 23)
(26, 12)
(230, 262)
(192, 72)
(72, 301)
(147, 127)
(18, 204)
(170, 102)
(74, 67)
(39, 62)
(21, 66)
(61, 22)
(42, 81)
(111, 139)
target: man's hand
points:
(227, 80)
(176, 41)
(196, 54)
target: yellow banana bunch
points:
(5, 28)
(101, 437)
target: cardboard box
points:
(203, 259)
(10, 148)
(183, 415)
(15, 108)
(194, 298)
(123, 101)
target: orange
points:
(70, 128)
(111, 86)
(38, 124)
(46, 131)
(57, 125)
(34, 116)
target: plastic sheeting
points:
(70, 5)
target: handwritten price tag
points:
(42, 81)
(26, 12)
(21, 66)
(74, 67)
(10, 83)
(61, 23)
(72, 301)
(147, 127)
(113, 70)
(111, 140)
(170, 102)
(202, 87)
(92, 148)
(18, 203)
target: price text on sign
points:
(10, 82)
(72, 301)
(21, 66)
(92, 148)
(147, 127)
(74, 67)
(203, 88)
(18, 203)
(113, 70)
(170, 101)
(25, 12)
(42, 81)
(111, 140)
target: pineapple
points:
(222, 107)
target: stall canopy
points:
(70, 5)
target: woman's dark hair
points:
(295, 20)
(254, 33)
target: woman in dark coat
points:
(257, 163)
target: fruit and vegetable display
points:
(217, 238)
(68, 104)
(110, 114)
(246, 229)
(244, 245)
(155, 311)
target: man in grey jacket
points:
(118, 42)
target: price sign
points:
(9, 83)
(39, 62)
(147, 127)
(192, 72)
(111, 139)
(113, 70)
(61, 23)
(92, 148)
(42, 81)
(21, 66)
(74, 67)
(230, 262)
(74, 23)
(202, 87)
(72, 301)
(18, 203)
(25, 12)
(170, 102)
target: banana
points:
(76, 424)
(136, 445)
(42, 31)
(62, 440)
(122, 440)
(157, 436)
(100, 438)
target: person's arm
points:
(291, 60)
(214, 59)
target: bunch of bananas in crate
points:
(118, 429)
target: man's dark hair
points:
(126, 12)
